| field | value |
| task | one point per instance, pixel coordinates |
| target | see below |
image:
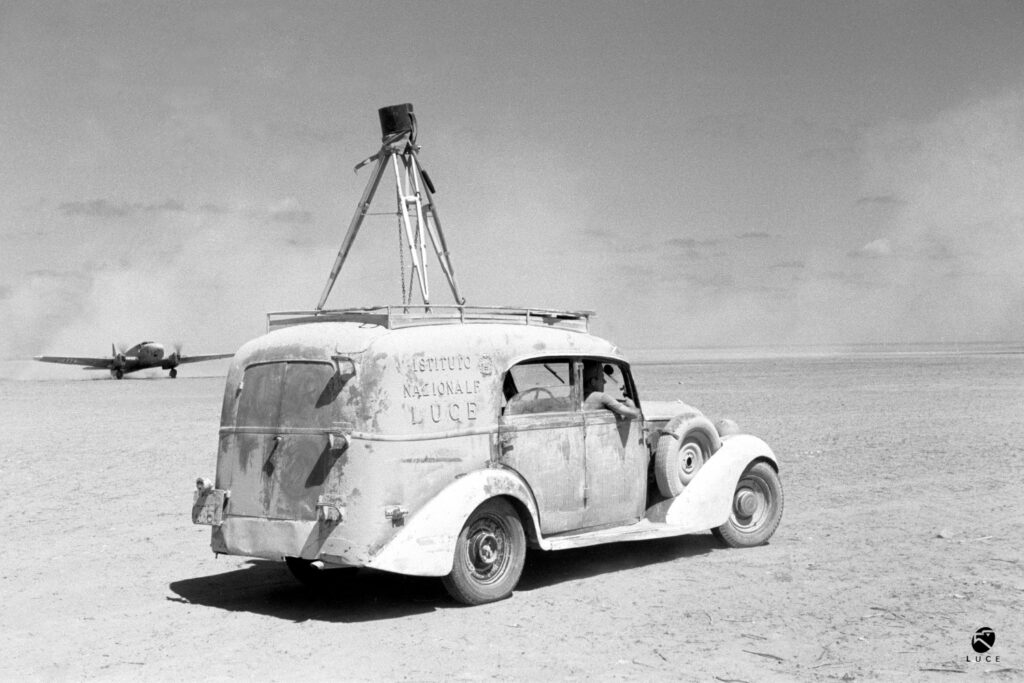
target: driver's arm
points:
(626, 408)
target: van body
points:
(441, 441)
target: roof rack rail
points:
(413, 315)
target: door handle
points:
(506, 441)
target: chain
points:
(401, 248)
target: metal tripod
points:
(416, 207)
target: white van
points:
(443, 440)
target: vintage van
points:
(444, 441)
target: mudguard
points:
(426, 544)
(706, 502)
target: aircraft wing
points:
(89, 363)
(197, 359)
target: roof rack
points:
(413, 315)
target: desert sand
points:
(902, 535)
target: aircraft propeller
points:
(117, 353)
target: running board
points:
(637, 531)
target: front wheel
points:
(489, 555)
(756, 508)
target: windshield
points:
(290, 394)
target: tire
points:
(489, 555)
(756, 508)
(173, 373)
(119, 374)
(678, 459)
(312, 576)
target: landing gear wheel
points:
(173, 373)
(489, 555)
(314, 577)
(119, 373)
(676, 463)
(756, 508)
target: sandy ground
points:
(901, 537)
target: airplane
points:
(142, 356)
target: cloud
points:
(97, 208)
(105, 208)
(879, 248)
(296, 216)
(168, 205)
(880, 200)
(953, 184)
(288, 211)
(755, 235)
(691, 243)
(208, 288)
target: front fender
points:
(706, 502)
(426, 544)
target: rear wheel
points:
(489, 555)
(756, 508)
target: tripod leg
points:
(415, 241)
(353, 227)
(437, 236)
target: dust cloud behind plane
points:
(701, 175)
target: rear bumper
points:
(273, 539)
(266, 538)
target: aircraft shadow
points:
(267, 588)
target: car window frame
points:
(629, 389)
(574, 400)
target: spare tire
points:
(685, 445)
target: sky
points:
(701, 174)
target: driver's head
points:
(593, 378)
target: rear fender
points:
(706, 502)
(426, 544)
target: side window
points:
(539, 387)
(603, 377)
(614, 384)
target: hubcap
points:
(746, 503)
(487, 551)
(752, 504)
(691, 458)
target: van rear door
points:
(278, 450)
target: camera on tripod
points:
(396, 121)
(419, 223)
